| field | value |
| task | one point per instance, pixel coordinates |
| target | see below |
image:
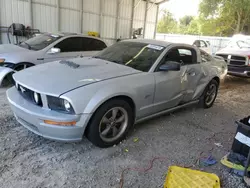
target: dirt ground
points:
(180, 138)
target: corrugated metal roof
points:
(157, 1)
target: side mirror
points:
(54, 51)
(170, 66)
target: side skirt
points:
(166, 111)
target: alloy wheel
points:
(113, 124)
(211, 94)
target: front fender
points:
(104, 95)
(4, 71)
(87, 99)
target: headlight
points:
(67, 105)
(2, 60)
(37, 98)
(59, 104)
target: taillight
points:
(248, 60)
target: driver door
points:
(192, 75)
(169, 88)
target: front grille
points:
(224, 57)
(234, 60)
(28, 94)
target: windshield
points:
(39, 42)
(140, 56)
(239, 44)
(243, 44)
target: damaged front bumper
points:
(32, 117)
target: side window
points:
(73, 44)
(184, 52)
(90, 44)
(185, 56)
(97, 45)
(205, 57)
(203, 44)
(86, 44)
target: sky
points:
(180, 8)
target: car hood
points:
(13, 53)
(233, 51)
(10, 48)
(56, 78)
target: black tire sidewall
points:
(8, 81)
(203, 102)
(92, 130)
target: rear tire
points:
(110, 123)
(210, 94)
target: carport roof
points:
(157, 1)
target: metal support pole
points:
(156, 21)
(132, 19)
(100, 18)
(81, 15)
(118, 6)
(145, 19)
(58, 14)
(31, 13)
(137, 4)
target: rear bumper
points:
(239, 71)
(32, 117)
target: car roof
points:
(159, 42)
(67, 34)
(149, 41)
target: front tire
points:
(110, 123)
(8, 80)
(210, 94)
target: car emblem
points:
(22, 89)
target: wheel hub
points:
(211, 94)
(113, 124)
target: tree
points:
(185, 21)
(167, 24)
(228, 16)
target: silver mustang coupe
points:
(101, 97)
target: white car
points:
(204, 45)
(45, 48)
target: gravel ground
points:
(27, 160)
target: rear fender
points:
(4, 71)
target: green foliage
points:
(216, 18)
(185, 21)
(167, 24)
